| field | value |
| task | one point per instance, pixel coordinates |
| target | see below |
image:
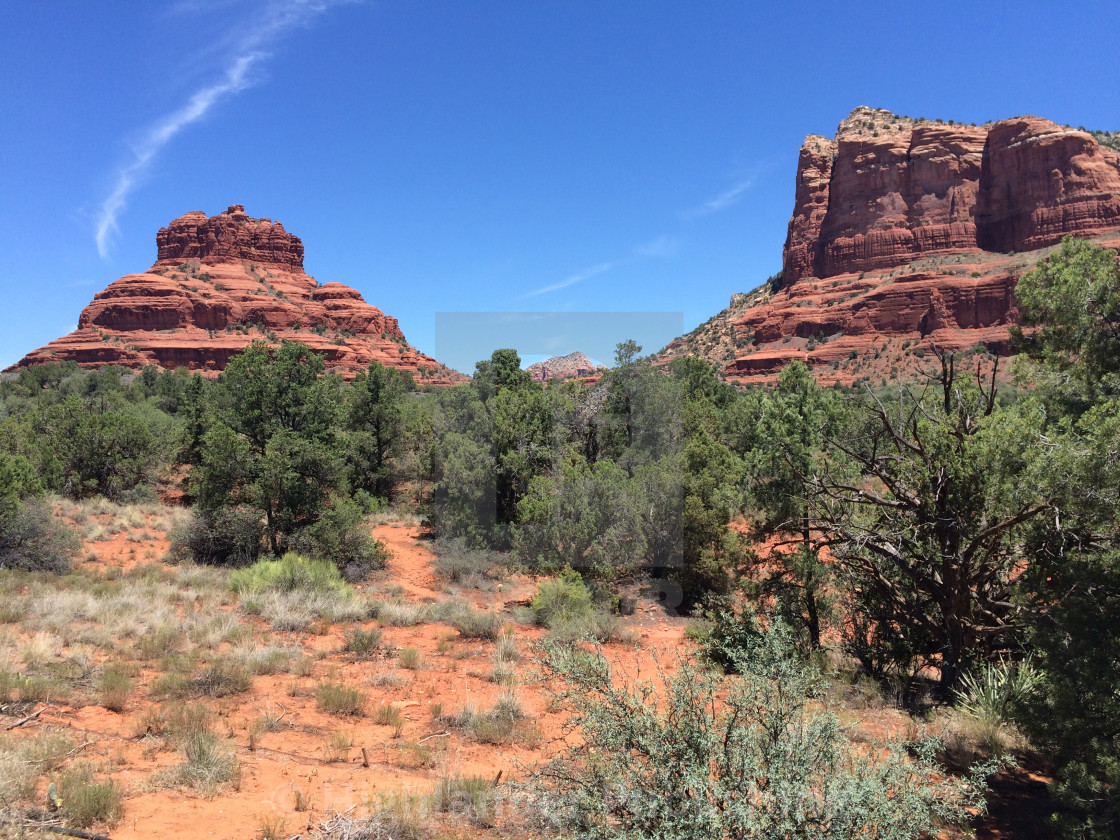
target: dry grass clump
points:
(262, 661)
(505, 723)
(115, 686)
(387, 715)
(87, 801)
(474, 797)
(476, 624)
(362, 642)
(337, 699)
(296, 611)
(24, 760)
(476, 568)
(389, 679)
(397, 613)
(207, 762)
(337, 746)
(409, 658)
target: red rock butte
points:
(910, 233)
(573, 366)
(220, 283)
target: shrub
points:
(476, 624)
(471, 796)
(387, 715)
(86, 802)
(753, 756)
(561, 600)
(342, 536)
(291, 573)
(224, 677)
(362, 642)
(409, 658)
(31, 539)
(337, 746)
(207, 763)
(115, 685)
(991, 692)
(1071, 715)
(462, 564)
(222, 537)
(338, 699)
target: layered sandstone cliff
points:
(218, 284)
(907, 234)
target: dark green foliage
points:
(463, 498)
(926, 507)
(786, 446)
(503, 371)
(223, 536)
(269, 442)
(734, 635)
(375, 425)
(585, 517)
(32, 540)
(1073, 297)
(1074, 716)
(99, 451)
(697, 756)
(342, 536)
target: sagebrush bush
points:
(705, 757)
(476, 624)
(87, 801)
(32, 540)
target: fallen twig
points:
(75, 832)
(22, 721)
(437, 735)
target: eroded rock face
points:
(889, 190)
(1041, 181)
(220, 283)
(229, 237)
(573, 366)
(909, 236)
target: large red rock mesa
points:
(908, 233)
(220, 283)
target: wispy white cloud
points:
(578, 277)
(247, 50)
(725, 199)
(661, 247)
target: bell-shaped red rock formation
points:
(218, 284)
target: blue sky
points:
(481, 156)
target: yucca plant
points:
(989, 693)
